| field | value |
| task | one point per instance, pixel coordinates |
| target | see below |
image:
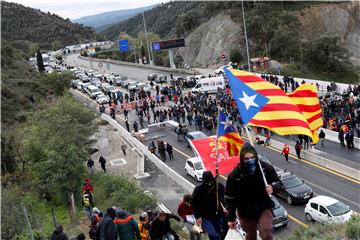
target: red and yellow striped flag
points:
(282, 114)
(305, 97)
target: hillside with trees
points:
(45, 29)
(294, 34)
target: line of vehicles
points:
(294, 190)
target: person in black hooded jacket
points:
(247, 194)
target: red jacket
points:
(184, 210)
(285, 150)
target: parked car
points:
(194, 135)
(93, 91)
(292, 188)
(194, 168)
(74, 83)
(326, 209)
(280, 215)
(132, 86)
(84, 86)
(102, 99)
(79, 85)
(118, 80)
(161, 79)
(144, 86)
(152, 76)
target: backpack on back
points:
(86, 200)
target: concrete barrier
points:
(159, 68)
(321, 161)
(333, 136)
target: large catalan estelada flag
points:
(306, 98)
(263, 104)
(228, 134)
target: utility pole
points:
(246, 40)
(147, 41)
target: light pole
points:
(246, 41)
(147, 41)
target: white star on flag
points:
(248, 100)
(227, 123)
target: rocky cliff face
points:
(220, 33)
(211, 39)
(342, 19)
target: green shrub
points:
(353, 228)
(118, 191)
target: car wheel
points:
(308, 217)
(289, 200)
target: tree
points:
(40, 61)
(326, 53)
(56, 45)
(55, 143)
(235, 56)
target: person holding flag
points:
(247, 195)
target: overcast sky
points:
(79, 8)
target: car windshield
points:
(96, 90)
(338, 208)
(198, 166)
(101, 96)
(276, 202)
(292, 181)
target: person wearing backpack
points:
(87, 202)
(144, 226)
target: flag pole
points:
(252, 144)
(217, 144)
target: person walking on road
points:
(135, 126)
(306, 141)
(162, 150)
(298, 148)
(169, 150)
(247, 196)
(341, 138)
(127, 125)
(267, 139)
(285, 152)
(322, 138)
(123, 148)
(102, 162)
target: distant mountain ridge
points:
(45, 29)
(106, 19)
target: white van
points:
(209, 85)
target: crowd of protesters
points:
(199, 110)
